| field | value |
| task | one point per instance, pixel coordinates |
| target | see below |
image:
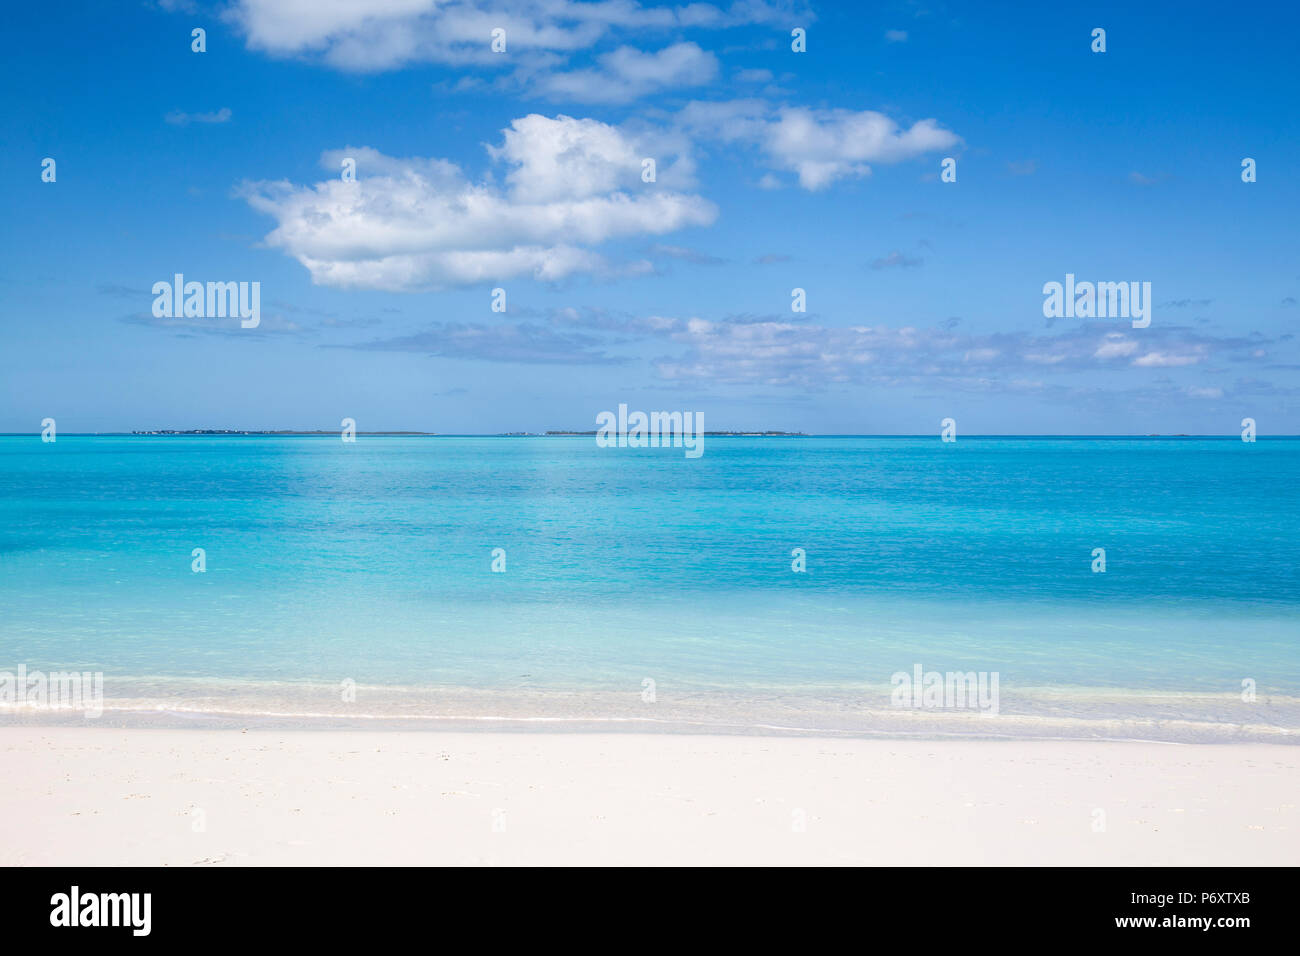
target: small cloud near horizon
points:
(693, 256)
(1141, 179)
(896, 259)
(181, 118)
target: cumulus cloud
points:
(823, 146)
(627, 73)
(565, 158)
(417, 223)
(373, 35)
(819, 145)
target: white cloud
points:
(566, 158)
(627, 73)
(778, 352)
(409, 224)
(1115, 346)
(783, 353)
(826, 145)
(821, 146)
(371, 35)
(896, 36)
(1168, 359)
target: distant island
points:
(715, 434)
(277, 431)
(335, 431)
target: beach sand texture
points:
(101, 796)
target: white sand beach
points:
(102, 796)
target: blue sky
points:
(775, 170)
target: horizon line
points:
(558, 433)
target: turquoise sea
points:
(332, 566)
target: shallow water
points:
(372, 563)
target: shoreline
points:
(106, 796)
(842, 711)
(1153, 718)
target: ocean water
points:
(371, 563)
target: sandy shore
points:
(103, 796)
